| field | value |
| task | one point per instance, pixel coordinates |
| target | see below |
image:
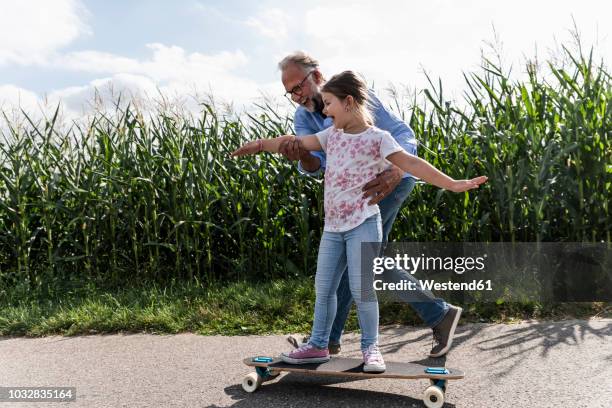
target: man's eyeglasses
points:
(297, 90)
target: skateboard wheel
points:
(251, 382)
(433, 397)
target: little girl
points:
(356, 152)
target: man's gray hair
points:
(301, 59)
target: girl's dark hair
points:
(349, 83)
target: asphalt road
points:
(531, 364)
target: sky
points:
(69, 51)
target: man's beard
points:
(317, 104)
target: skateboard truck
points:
(436, 370)
(261, 359)
(263, 373)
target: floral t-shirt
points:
(352, 161)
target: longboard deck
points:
(352, 367)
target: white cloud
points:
(103, 92)
(166, 64)
(32, 30)
(14, 97)
(272, 23)
(172, 70)
(171, 62)
(94, 62)
(15, 101)
(390, 41)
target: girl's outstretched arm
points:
(423, 170)
(310, 142)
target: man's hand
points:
(383, 184)
(294, 150)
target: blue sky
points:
(65, 50)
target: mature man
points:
(302, 81)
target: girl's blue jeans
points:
(429, 308)
(340, 253)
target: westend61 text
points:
(433, 285)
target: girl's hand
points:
(253, 147)
(465, 185)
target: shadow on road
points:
(540, 338)
(523, 340)
(540, 335)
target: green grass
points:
(283, 306)
(237, 308)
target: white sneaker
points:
(373, 361)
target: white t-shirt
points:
(352, 161)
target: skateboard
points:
(268, 368)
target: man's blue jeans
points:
(429, 308)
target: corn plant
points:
(126, 198)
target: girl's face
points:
(335, 109)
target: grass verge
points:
(282, 306)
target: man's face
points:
(307, 93)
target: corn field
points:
(130, 199)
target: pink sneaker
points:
(372, 360)
(306, 354)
